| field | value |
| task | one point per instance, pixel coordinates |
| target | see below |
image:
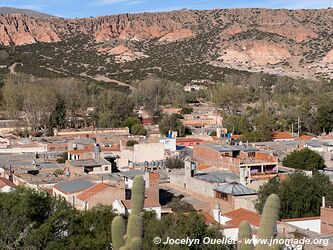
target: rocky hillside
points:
(295, 43)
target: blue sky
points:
(84, 8)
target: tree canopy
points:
(304, 159)
(35, 220)
(300, 195)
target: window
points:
(106, 168)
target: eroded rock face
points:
(20, 30)
(329, 57)
(257, 53)
(177, 35)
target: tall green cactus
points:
(267, 228)
(245, 232)
(132, 240)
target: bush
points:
(131, 143)
(186, 110)
(174, 162)
(304, 159)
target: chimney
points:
(323, 202)
(152, 185)
(217, 213)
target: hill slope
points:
(32, 13)
(179, 45)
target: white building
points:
(169, 144)
(124, 206)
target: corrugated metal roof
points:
(89, 163)
(235, 189)
(84, 141)
(73, 186)
(132, 173)
(227, 148)
(217, 177)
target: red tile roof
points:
(305, 137)
(236, 137)
(4, 182)
(92, 191)
(183, 140)
(149, 202)
(241, 214)
(282, 136)
(204, 166)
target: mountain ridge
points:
(28, 12)
(296, 42)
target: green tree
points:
(138, 129)
(324, 117)
(300, 195)
(130, 122)
(304, 159)
(180, 226)
(171, 123)
(58, 116)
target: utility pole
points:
(298, 126)
(292, 129)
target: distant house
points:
(71, 189)
(125, 206)
(100, 194)
(231, 191)
(249, 162)
(282, 136)
(92, 166)
(169, 144)
(230, 221)
(306, 137)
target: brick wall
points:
(326, 216)
(206, 154)
(265, 157)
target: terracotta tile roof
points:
(301, 219)
(92, 191)
(305, 137)
(149, 202)
(282, 136)
(183, 140)
(241, 214)
(4, 182)
(236, 137)
(204, 166)
(81, 151)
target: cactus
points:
(245, 232)
(132, 240)
(118, 232)
(267, 228)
